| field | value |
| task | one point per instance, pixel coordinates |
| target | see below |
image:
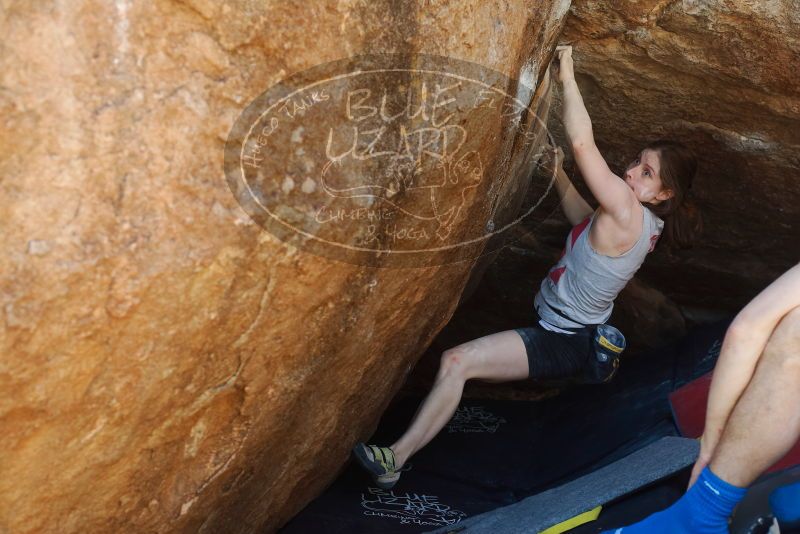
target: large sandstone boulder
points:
(167, 364)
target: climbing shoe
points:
(379, 462)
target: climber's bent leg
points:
(497, 357)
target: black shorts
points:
(552, 355)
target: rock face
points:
(169, 366)
(718, 76)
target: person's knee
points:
(784, 342)
(455, 363)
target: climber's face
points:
(642, 176)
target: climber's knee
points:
(455, 363)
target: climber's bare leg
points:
(498, 357)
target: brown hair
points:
(678, 168)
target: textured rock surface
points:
(718, 75)
(166, 365)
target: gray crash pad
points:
(539, 512)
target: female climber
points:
(605, 248)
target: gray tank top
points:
(580, 289)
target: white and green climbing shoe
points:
(379, 462)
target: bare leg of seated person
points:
(763, 426)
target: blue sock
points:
(785, 504)
(704, 509)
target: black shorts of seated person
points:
(552, 355)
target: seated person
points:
(753, 416)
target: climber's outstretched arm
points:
(614, 196)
